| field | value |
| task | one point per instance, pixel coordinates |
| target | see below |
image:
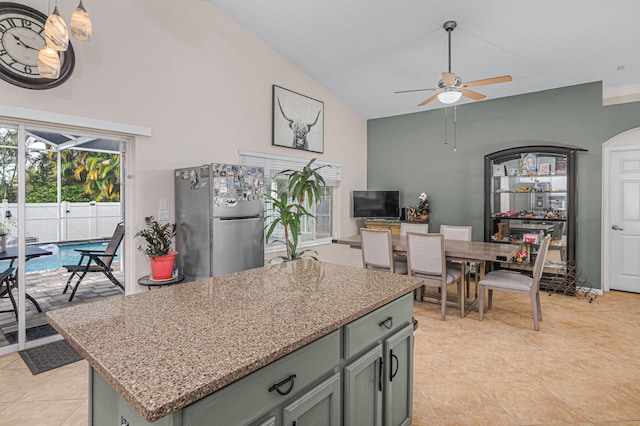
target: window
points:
(314, 231)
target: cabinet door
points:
(318, 407)
(398, 400)
(363, 386)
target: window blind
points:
(274, 164)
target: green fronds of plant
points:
(287, 208)
(157, 237)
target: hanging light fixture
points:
(48, 62)
(81, 24)
(55, 31)
(449, 96)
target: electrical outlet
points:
(123, 421)
(163, 214)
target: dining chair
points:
(413, 227)
(460, 233)
(426, 259)
(377, 252)
(95, 261)
(517, 283)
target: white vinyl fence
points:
(48, 222)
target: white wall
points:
(201, 83)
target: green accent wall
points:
(408, 153)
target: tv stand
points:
(383, 224)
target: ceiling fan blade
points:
(484, 82)
(471, 94)
(423, 103)
(449, 78)
(415, 90)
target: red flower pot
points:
(162, 266)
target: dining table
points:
(11, 281)
(479, 252)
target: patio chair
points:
(95, 261)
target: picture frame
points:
(528, 164)
(498, 170)
(297, 121)
(561, 166)
(545, 169)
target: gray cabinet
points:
(398, 350)
(378, 383)
(319, 406)
(363, 389)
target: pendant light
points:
(55, 31)
(81, 24)
(48, 62)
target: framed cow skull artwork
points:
(298, 121)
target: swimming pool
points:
(66, 255)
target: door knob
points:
(617, 228)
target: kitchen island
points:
(260, 347)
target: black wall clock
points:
(21, 38)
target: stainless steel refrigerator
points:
(220, 219)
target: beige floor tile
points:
(600, 400)
(47, 413)
(79, 416)
(465, 404)
(530, 404)
(19, 382)
(423, 413)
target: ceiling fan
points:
(451, 85)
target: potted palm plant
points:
(287, 208)
(158, 239)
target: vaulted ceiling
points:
(364, 50)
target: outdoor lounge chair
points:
(95, 261)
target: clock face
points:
(21, 38)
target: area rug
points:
(33, 333)
(50, 356)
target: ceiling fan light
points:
(55, 31)
(449, 96)
(48, 63)
(81, 24)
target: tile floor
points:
(582, 368)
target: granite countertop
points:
(167, 348)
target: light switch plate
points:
(163, 214)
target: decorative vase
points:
(162, 266)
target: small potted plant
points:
(6, 226)
(158, 238)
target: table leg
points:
(463, 290)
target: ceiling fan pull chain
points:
(446, 125)
(455, 126)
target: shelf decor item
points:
(158, 238)
(422, 208)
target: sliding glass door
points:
(61, 191)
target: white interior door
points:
(624, 214)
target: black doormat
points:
(33, 333)
(48, 357)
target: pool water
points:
(66, 255)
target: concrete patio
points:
(46, 287)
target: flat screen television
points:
(380, 204)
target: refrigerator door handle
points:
(254, 217)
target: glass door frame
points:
(94, 128)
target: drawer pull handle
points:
(388, 323)
(380, 384)
(277, 386)
(392, 374)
